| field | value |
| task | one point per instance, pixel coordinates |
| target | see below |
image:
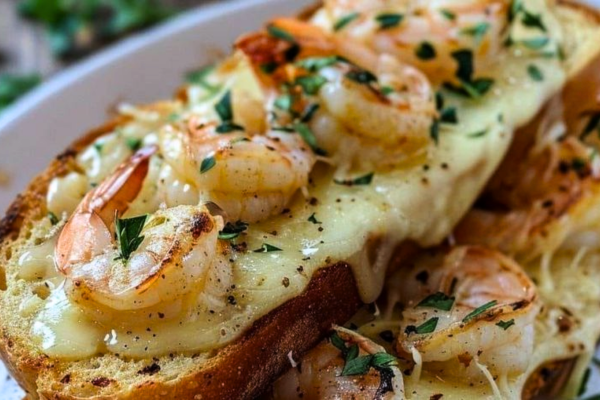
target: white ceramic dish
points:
(143, 68)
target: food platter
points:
(141, 69)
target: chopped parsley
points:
(426, 327)
(284, 102)
(309, 112)
(225, 112)
(344, 21)
(477, 31)
(479, 310)
(438, 300)
(449, 15)
(267, 248)
(448, 116)
(199, 77)
(505, 324)
(314, 64)
(389, 20)
(128, 235)
(313, 219)
(207, 164)
(362, 180)
(387, 90)
(311, 84)
(280, 33)
(361, 76)
(360, 365)
(533, 20)
(269, 67)
(478, 134)
(535, 73)
(425, 51)
(232, 230)
(584, 382)
(53, 218)
(535, 43)
(98, 146)
(134, 144)
(434, 131)
(473, 88)
(309, 137)
(592, 125)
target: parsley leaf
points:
(478, 134)
(505, 324)
(438, 300)
(449, 15)
(425, 51)
(207, 164)
(584, 382)
(284, 102)
(311, 84)
(535, 43)
(314, 219)
(53, 218)
(389, 20)
(357, 366)
(361, 76)
(225, 112)
(309, 137)
(128, 235)
(478, 31)
(344, 21)
(592, 125)
(267, 248)
(134, 144)
(533, 20)
(448, 116)
(199, 77)
(479, 310)
(434, 131)
(362, 180)
(426, 327)
(535, 73)
(314, 64)
(280, 33)
(232, 230)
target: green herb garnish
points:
(438, 300)
(355, 365)
(53, 218)
(232, 230)
(448, 14)
(473, 88)
(267, 248)
(505, 324)
(426, 327)
(535, 43)
(314, 64)
(389, 20)
(313, 219)
(479, 310)
(207, 164)
(478, 134)
(584, 382)
(128, 235)
(362, 180)
(344, 21)
(533, 20)
(478, 31)
(284, 102)
(535, 73)
(448, 116)
(592, 125)
(361, 76)
(425, 51)
(133, 144)
(280, 33)
(225, 112)
(434, 131)
(309, 137)
(311, 84)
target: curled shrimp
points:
(468, 308)
(251, 177)
(539, 196)
(375, 112)
(425, 33)
(319, 374)
(177, 251)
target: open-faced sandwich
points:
(325, 175)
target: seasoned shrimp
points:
(536, 199)
(171, 253)
(251, 177)
(466, 312)
(320, 373)
(423, 33)
(369, 111)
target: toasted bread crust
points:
(242, 369)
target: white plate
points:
(143, 68)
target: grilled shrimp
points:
(250, 177)
(320, 373)
(369, 110)
(536, 199)
(422, 33)
(466, 312)
(163, 257)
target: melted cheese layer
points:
(361, 225)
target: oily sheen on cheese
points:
(361, 225)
